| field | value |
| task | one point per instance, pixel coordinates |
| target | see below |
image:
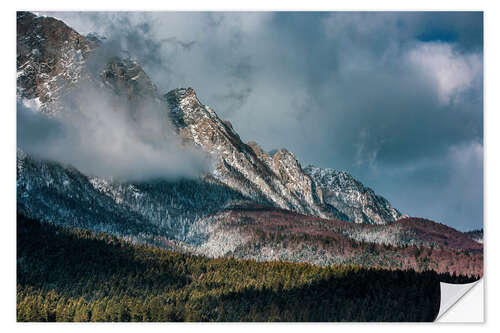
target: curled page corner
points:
(451, 294)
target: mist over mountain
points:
(81, 114)
(101, 137)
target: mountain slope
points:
(50, 59)
(143, 212)
(346, 194)
(278, 179)
(269, 234)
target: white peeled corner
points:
(461, 303)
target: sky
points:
(394, 98)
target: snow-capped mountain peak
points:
(358, 202)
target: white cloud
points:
(100, 137)
(453, 73)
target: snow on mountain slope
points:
(346, 194)
(59, 194)
(50, 59)
(268, 234)
(476, 235)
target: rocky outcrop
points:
(50, 59)
(346, 194)
(126, 77)
(244, 167)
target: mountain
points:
(203, 217)
(253, 204)
(278, 179)
(51, 58)
(143, 212)
(359, 203)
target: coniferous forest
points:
(68, 274)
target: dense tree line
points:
(69, 274)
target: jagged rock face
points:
(127, 77)
(291, 174)
(359, 203)
(50, 59)
(53, 59)
(246, 168)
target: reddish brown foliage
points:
(433, 246)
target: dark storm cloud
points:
(464, 28)
(393, 98)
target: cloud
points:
(453, 73)
(102, 135)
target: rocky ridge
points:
(50, 60)
(346, 194)
(244, 167)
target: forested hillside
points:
(69, 274)
(265, 234)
